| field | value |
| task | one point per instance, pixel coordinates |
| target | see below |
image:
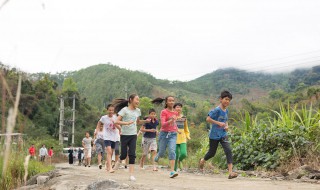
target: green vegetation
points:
(272, 117)
(269, 142)
(14, 175)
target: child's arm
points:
(143, 129)
(186, 129)
(120, 122)
(118, 127)
(97, 127)
(210, 120)
(141, 122)
(178, 130)
(164, 121)
(226, 127)
(140, 132)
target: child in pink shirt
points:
(168, 132)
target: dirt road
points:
(81, 178)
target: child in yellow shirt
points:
(182, 136)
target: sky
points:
(170, 39)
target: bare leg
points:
(89, 161)
(131, 169)
(117, 158)
(154, 153)
(172, 165)
(127, 161)
(99, 158)
(230, 168)
(142, 161)
(109, 157)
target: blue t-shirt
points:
(217, 132)
(151, 125)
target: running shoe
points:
(173, 174)
(132, 178)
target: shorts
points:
(109, 143)
(99, 146)
(87, 152)
(149, 144)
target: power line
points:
(285, 62)
(265, 61)
(280, 58)
(303, 63)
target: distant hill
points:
(104, 82)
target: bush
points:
(269, 143)
(14, 174)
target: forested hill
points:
(101, 83)
(240, 82)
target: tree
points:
(69, 85)
(145, 105)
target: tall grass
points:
(11, 160)
(268, 143)
(15, 170)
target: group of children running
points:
(118, 128)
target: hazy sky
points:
(170, 39)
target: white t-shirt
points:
(111, 133)
(99, 134)
(129, 115)
(87, 142)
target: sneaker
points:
(89, 166)
(173, 174)
(125, 166)
(156, 159)
(100, 166)
(132, 178)
(116, 166)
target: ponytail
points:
(121, 103)
(158, 101)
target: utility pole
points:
(73, 117)
(61, 120)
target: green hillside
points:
(279, 108)
(101, 83)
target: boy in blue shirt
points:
(218, 117)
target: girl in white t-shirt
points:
(110, 135)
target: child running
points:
(129, 117)
(99, 142)
(149, 138)
(218, 117)
(110, 135)
(168, 132)
(181, 147)
(86, 143)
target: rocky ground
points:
(72, 177)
